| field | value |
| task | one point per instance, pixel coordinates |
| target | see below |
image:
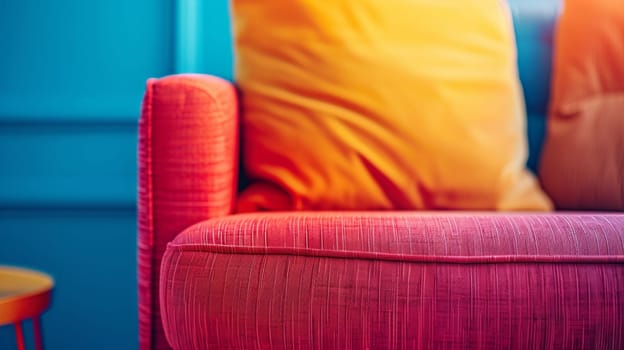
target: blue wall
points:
(72, 75)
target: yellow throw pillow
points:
(393, 104)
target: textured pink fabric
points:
(350, 280)
(396, 281)
(188, 159)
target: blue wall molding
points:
(187, 36)
(202, 37)
(68, 163)
(47, 122)
(70, 210)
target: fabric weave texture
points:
(187, 173)
(396, 281)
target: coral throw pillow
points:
(582, 165)
(369, 104)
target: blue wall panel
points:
(81, 58)
(67, 164)
(72, 76)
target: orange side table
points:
(24, 294)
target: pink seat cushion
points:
(396, 281)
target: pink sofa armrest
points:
(188, 164)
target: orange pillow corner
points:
(582, 165)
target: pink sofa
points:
(352, 280)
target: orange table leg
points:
(19, 334)
(37, 327)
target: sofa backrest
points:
(534, 22)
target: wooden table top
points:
(23, 293)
